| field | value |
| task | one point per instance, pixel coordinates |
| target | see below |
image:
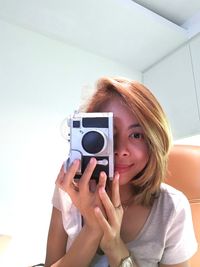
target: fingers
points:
(112, 206)
(85, 179)
(115, 199)
(92, 185)
(64, 180)
(102, 220)
(115, 191)
(105, 200)
(102, 180)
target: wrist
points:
(128, 261)
(117, 254)
(93, 232)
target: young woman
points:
(135, 220)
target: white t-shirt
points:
(167, 236)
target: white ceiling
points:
(121, 30)
(177, 11)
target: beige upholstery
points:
(184, 174)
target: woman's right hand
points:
(84, 193)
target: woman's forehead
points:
(111, 104)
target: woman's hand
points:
(111, 242)
(84, 192)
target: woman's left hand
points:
(111, 242)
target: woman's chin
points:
(124, 178)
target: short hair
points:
(157, 133)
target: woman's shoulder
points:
(171, 192)
(172, 199)
(170, 206)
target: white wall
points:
(192, 25)
(174, 80)
(40, 84)
(192, 140)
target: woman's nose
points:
(121, 149)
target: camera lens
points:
(93, 142)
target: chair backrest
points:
(184, 174)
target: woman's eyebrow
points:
(135, 125)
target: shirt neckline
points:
(146, 224)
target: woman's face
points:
(130, 148)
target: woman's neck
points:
(127, 193)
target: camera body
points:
(91, 135)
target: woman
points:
(135, 220)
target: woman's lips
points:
(122, 167)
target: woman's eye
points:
(136, 135)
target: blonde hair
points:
(143, 104)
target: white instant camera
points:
(91, 135)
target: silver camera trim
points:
(76, 150)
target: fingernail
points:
(102, 173)
(102, 190)
(97, 209)
(116, 175)
(92, 160)
(76, 161)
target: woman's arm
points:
(82, 249)
(111, 242)
(80, 253)
(57, 239)
(86, 243)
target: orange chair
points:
(184, 174)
